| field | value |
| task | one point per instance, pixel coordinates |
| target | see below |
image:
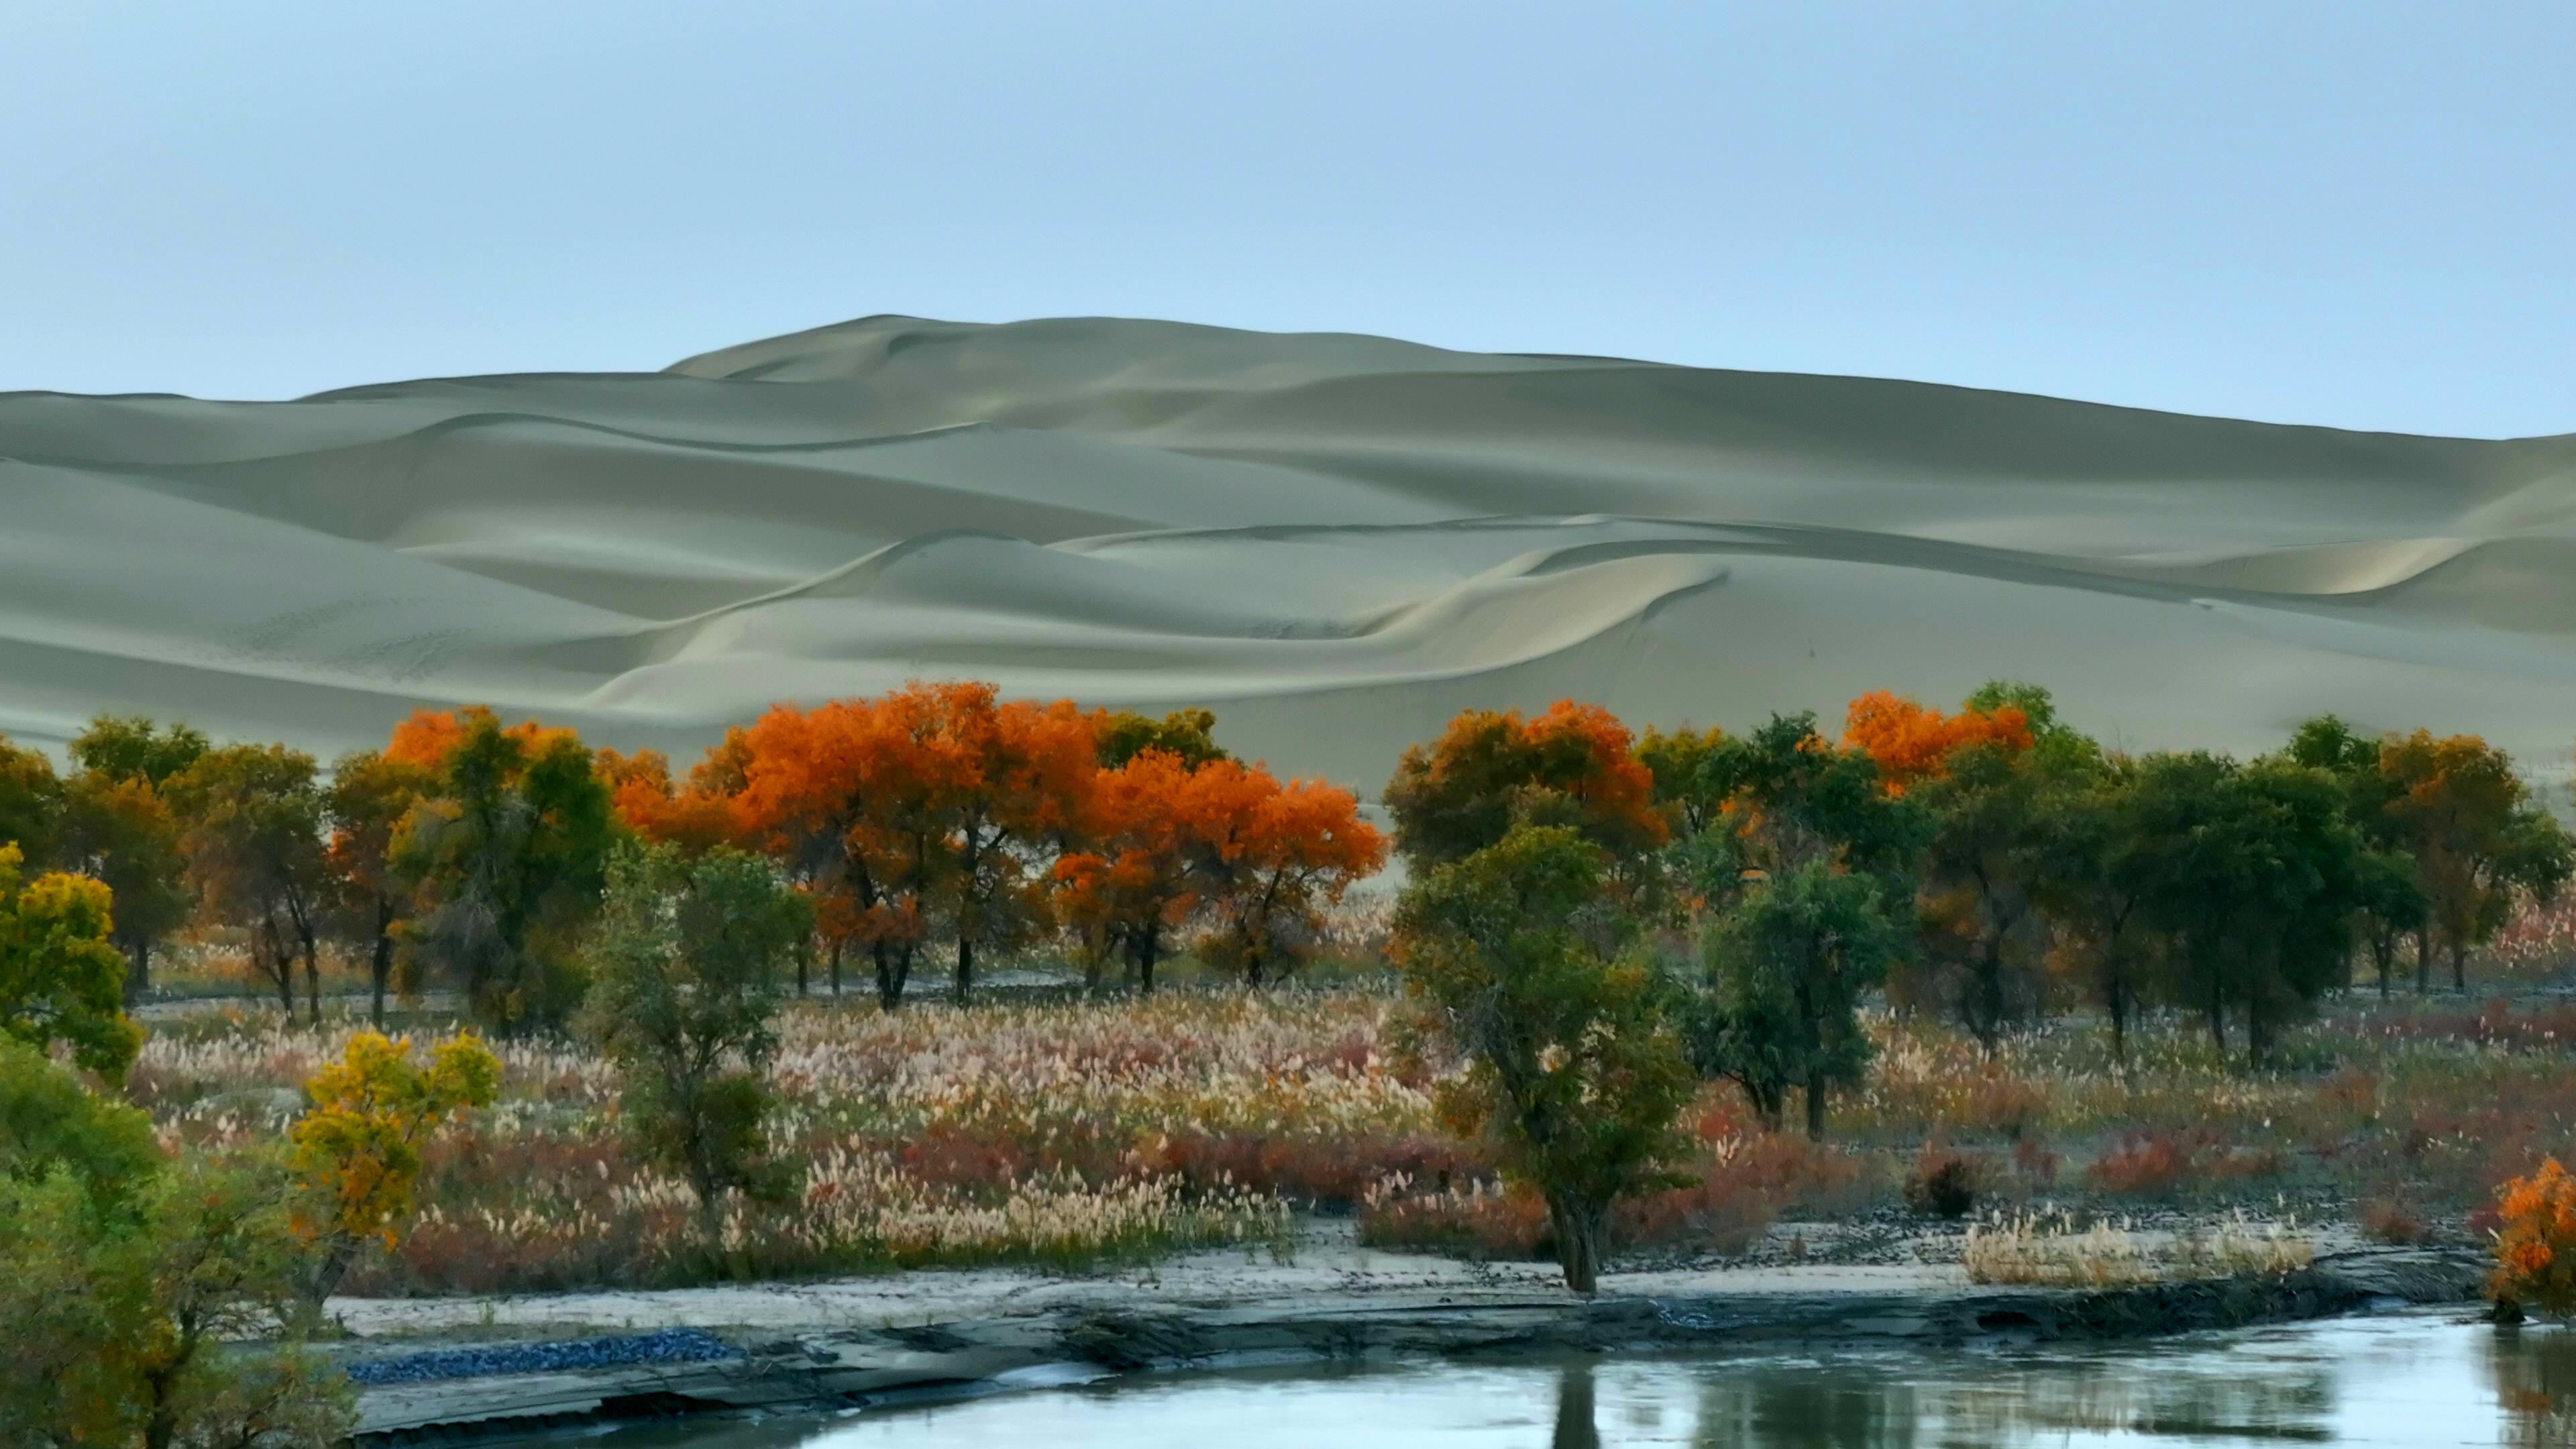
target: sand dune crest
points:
(1334, 540)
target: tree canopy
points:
(61, 978)
(505, 858)
(252, 829)
(685, 980)
(1520, 956)
(1490, 770)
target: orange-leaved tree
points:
(2535, 1243)
(1134, 884)
(1992, 846)
(370, 793)
(1003, 783)
(1911, 742)
(1490, 770)
(1269, 859)
(357, 1149)
(696, 815)
(837, 795)
(938, 805)
(2477, 838)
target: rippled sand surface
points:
(1336, 541)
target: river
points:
(2415, 1379)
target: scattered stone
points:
(669, 1345)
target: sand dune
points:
(1336, 541)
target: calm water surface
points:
(2414, 1380)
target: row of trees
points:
(939, 813)
(1602, 921)
(473, 853)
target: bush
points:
(2392, 1221)
(1476, 1221)
(2535, 1243)
(127, 1282)
(1943, 1184)
(2145, 1164)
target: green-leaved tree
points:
(505, 859)
(150, 1302)
(686, 975)
(1788, 964)
(251, 827)
(1521, 961)
(61, 978)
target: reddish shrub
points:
(1479, 1222)
(2242, 1164)
(1943, 1183)
(1330, 1173)
(2036, 1164)
(2391, 1221)
(952, 1158)
(2145, 1164)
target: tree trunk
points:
(894, 966)
(804, 964)
(161, 1421)
(2116, 996)
(2383, 954)
(965, 967)
(1815, 1107)
(838, 947)
(1988, 1027)
(1771, 1105)
(334, 1266)
(282, 965)
(2423, 962)
(1579, 1229)
(312, 974)
(1145, 962)
(138, 972)
(2459, 964)
(380, 968)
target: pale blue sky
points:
(2353, 213)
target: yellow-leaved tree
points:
(61, 979)
(357, 1149)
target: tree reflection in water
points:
(1891, 1406)
(2389, 1383)
(1576, 1427)
(2534, 1373)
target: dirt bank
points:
(886, 1340)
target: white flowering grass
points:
(2049, 1250)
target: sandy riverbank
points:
(859, 1342)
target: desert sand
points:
(1336, 541)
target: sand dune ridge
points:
(1334, 540)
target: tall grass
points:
(2051, 1251)
(1075, 1131)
